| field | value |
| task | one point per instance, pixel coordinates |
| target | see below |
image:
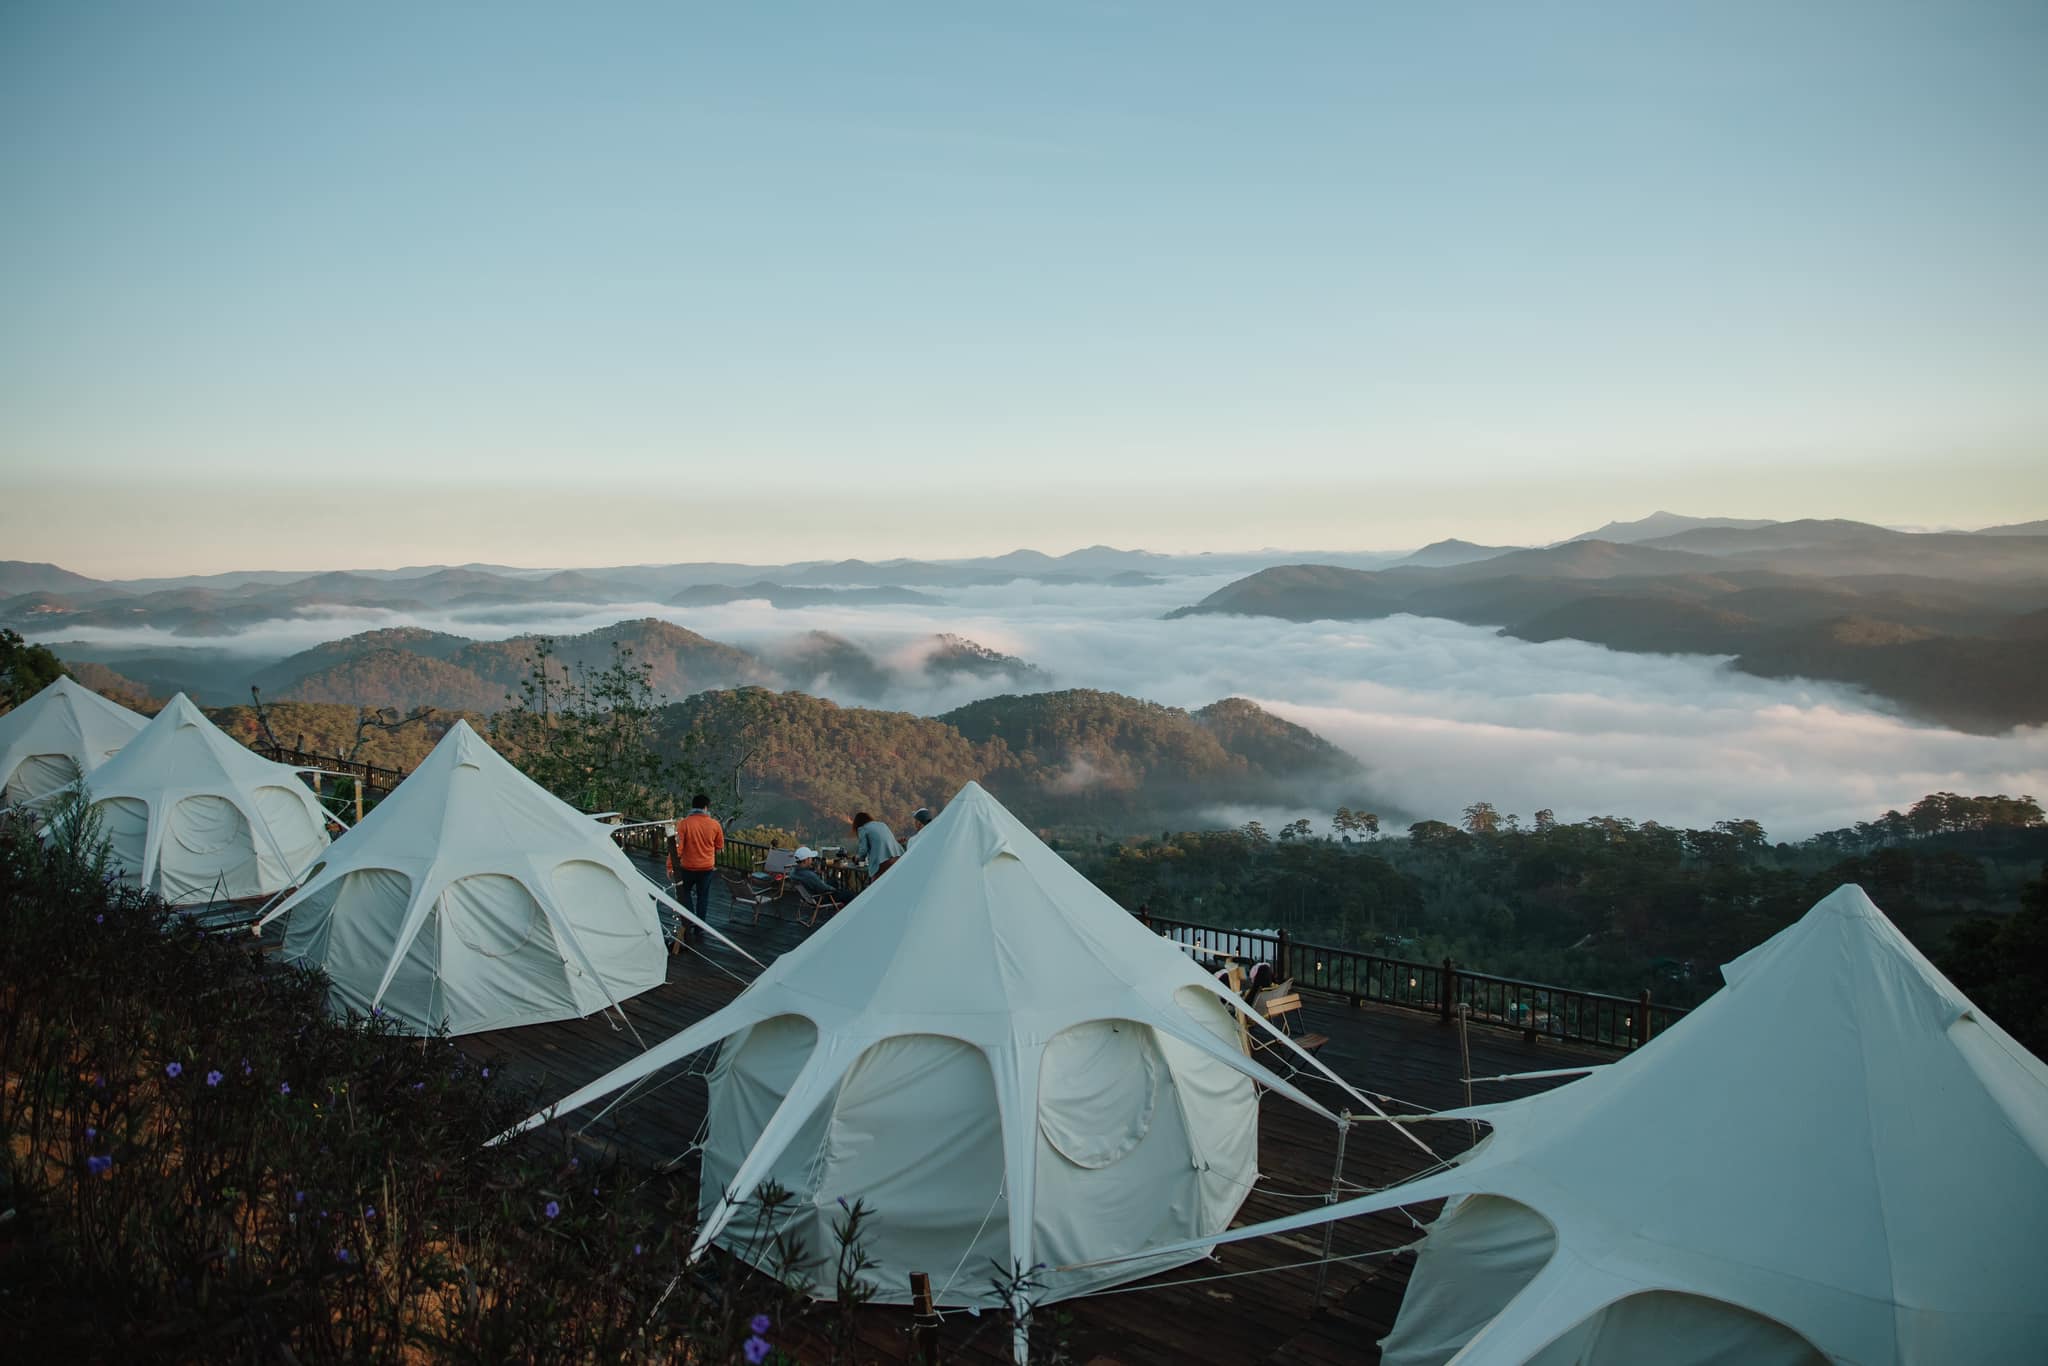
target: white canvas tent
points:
(58, 736)
(998, 1059)
(1836, 1159)
(195, 817)
(472, 898)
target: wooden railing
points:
(377, 780)
(1565, 1014)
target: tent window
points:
(492, 914)
(39, 774)
(598, 904)
(1098, 1086)
(1669, 1326)
(209, 825)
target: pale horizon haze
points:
(377, 284)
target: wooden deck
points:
(1176, 1317)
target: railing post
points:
(1280, 972)
(1445, 990)
(1642, 1029)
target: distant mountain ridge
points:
(1938, 622)
(1442, 554)
(1660, 524)
(409, 667)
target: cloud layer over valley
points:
(1442, 714)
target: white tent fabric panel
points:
(911, 1130)
(1098, 1086)
(617, 924)
(499, 958)
(1219, 1111)
(754, 1071)
(37, 776)
(914, 1132)
(208, 852)
(62, 733)
(124, 821)
(339, 931)
(1141, 1198)
(1667, 1328)
(1480, 1253)
(297, 832)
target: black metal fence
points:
(1537, 1009)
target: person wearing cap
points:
(806, 873)
(919, 818)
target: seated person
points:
(806, 873)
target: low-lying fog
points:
(1441, 713)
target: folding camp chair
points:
(813, 906)
(747, 892)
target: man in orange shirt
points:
(699, 837)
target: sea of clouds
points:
(1440, 713)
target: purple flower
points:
(99, 1166)
(341, 1254)
(246, 1069)
(99, 1080)
(284, 1088)
(419, 1086)
(100, 919)
(756, 1350)
(91, 1132)
(213, 1077)
(759, 1325)
(487, 1071)
(370, 1212)
(172, 1070)
(636, 1249)
(298, 1197)
(551, 1209)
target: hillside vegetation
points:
(1069, 758)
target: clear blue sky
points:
(943, 278)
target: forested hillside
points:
(1610, 904)
(328, 728)
(1059, 758)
